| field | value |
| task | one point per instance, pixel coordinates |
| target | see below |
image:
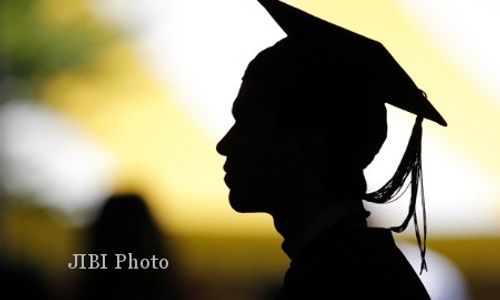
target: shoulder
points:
(359, 262)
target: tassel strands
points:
(410, 165)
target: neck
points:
(300, 227)
(307, 201)
(290, 224)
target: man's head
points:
(322, 89)
(312, 107)
(298, 111)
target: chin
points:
(246, 204)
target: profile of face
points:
(262, 165)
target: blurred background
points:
(109, 97)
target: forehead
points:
(253, 98)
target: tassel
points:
(410, 165)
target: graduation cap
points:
(392, 83)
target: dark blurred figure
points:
(310, 116)
(21, 282)
(124, 226)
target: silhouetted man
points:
(309, 117)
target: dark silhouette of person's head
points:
(310, 116)
(125, 225)
(292, 102)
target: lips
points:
(233, 174)
(226, 179)
(227, 167)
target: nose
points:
(223, 145)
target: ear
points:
(308, 146)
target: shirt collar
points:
(333, 214)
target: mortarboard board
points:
(392, 83)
